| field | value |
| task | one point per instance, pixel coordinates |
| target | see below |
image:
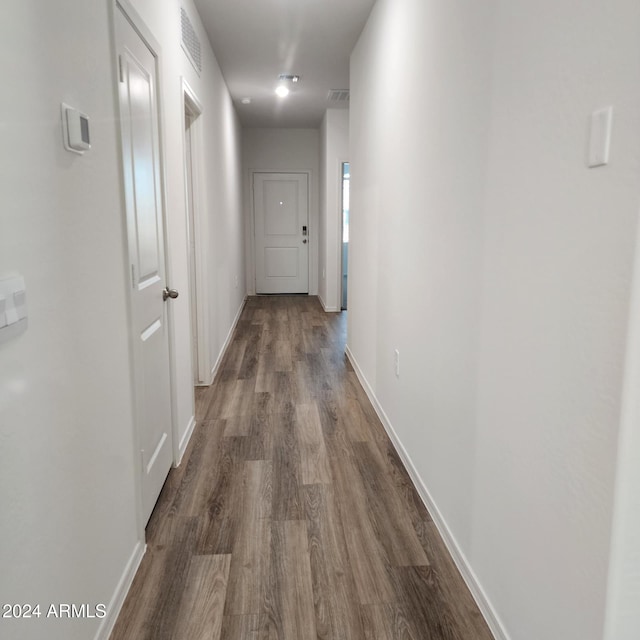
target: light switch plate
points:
(600, 137)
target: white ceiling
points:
(256, 40)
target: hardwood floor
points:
(291, 516)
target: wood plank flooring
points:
(291, 516)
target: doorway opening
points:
(193, 277)
(346, 176)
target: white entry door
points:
(281, 207)
(145, 230)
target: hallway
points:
(291, 516)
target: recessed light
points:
(282, 91)
(246, 100)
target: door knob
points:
(169, 293)
(305, 241)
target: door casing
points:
(197, 229)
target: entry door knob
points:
(169, 293)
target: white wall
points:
(334, 146)
(500, 266)
(282, 150)
(418, 152)
(68, 524)
(67, 466)
(559, 248)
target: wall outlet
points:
(236, 282)
(397, 362)
(323, 273)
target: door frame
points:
(341, 164)
(251, 253)
(198, 228)
(156, 50)
(622, 619)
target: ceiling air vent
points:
(338, 95)
(190, 42)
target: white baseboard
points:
(122, 588)
(227, 341)
(185, 439)
(326, 308)
(486, 608)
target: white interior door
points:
(281, 212)
(145, 229)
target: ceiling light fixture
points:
(246, 100)
(282, 91)
(289, 77)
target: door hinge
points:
(120, 69)
(133, 276)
